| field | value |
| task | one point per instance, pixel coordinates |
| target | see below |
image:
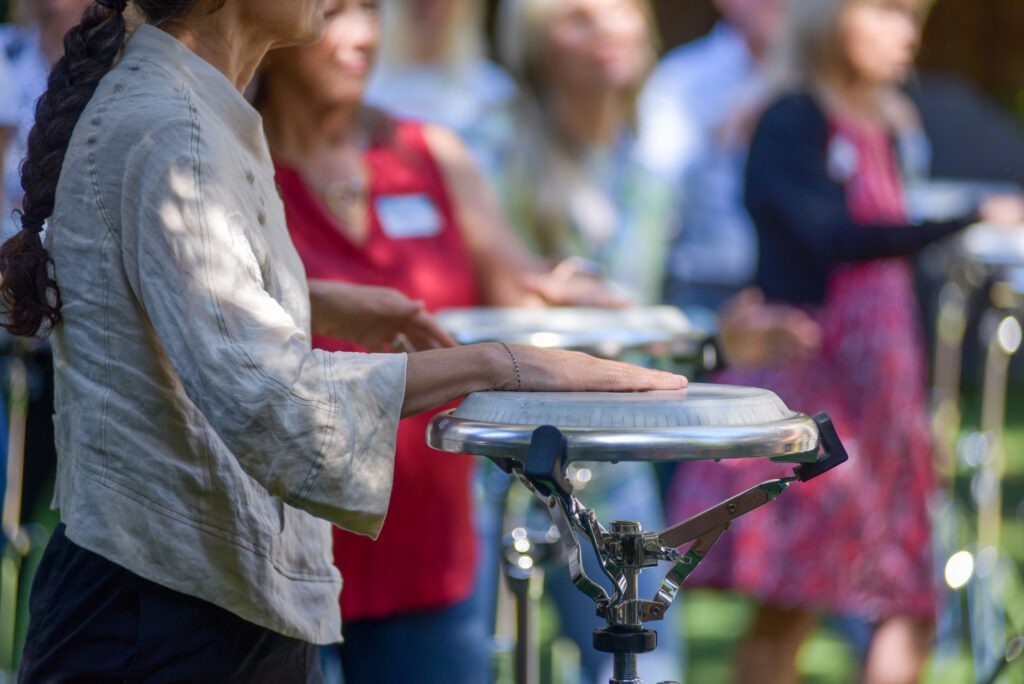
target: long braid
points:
(28, 294)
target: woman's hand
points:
(753, 333)
(377, 318)
(435, 378)
(568, 284)
(532, 369)
(1005, 210)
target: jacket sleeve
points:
(316, 429)
(788, 188)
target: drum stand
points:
(624, 550)
(1002, 337)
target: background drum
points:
(987, 272)
(661, 333)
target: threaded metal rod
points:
(624, 669)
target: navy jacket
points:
(804, 226)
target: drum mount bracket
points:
(624, 550)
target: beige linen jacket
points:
(198, 433)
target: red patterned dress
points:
(856, 541)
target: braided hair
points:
(29, 296)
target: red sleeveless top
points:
(425, 557)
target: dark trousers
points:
(93, 621)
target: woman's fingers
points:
(559, 371)
(574, 290)
(1006, 210)
(424, 330)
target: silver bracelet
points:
(515, 365)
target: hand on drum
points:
(1003, 210)
(434, 378)
(378, 318)
(569, 284)
(755, 333)
(532, 369)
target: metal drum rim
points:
(794, 438)
(627, 336)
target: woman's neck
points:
(593, 120)
(854, 97)
(226, 40)
(295, 132)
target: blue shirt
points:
(685, 116)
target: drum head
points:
(994, 246)
(701, 422)
(605, 332)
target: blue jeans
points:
(446, 646)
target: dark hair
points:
(29, 297)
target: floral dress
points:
(856, 541)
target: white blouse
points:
(198, 433)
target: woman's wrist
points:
(496, 362)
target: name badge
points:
(408, 216)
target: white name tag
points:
(408, 216)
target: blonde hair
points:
(810, 42)
(462, 37)
(551, 163)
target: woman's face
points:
(597, 45)
(435, 14)
(879, 39)
(336, 68)
(283, 22)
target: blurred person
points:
(31, 50)
(9, 120)
(434, 68)
(399, 206)
(824, 190)
(205, 448)
(573, 187)
(694, 131)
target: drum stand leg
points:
(986, 594)
(527, 666)
(624, 550)
(525, 552)
(951, 329)
(17, 542)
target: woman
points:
(434, 68)
(415, 216)
(574, 186)
(575, 189)
(204, 448)
(824, 190)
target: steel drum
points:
(701, 422)
(607, 333)
(536, 436)
(993, 246)
(941, 200)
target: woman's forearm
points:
(434, 378)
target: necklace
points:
(345, 195)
